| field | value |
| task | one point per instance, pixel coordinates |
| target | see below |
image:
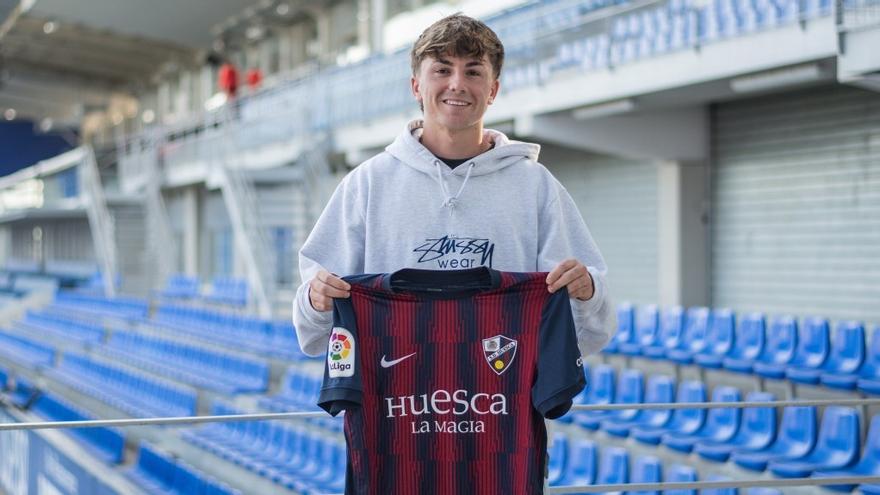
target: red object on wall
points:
(227, 79)
(254, 77)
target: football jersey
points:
(446, 378)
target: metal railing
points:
(100, 221)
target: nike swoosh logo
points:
(387, 364)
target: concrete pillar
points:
(378, 12)
(191, 229)
(682, 231)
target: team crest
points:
(499, 352)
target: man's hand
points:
(324, 287)
(572, 274)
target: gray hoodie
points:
(404, 208)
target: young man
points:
(448, 194)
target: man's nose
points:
(456, 81)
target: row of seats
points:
(25, 351)
(807, 353)
(58, 326)
(224, 290)
(124, 389)
(107, 444)
(249, 333)
(299, 392)
(296, 458)
(158, 473)
(749, 437)
(128, 308)
(580, 463)
(213, 370)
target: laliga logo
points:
(340, 354)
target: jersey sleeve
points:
(342, 388)
(560, 367)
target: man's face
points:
(455, 91)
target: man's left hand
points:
(573, 275)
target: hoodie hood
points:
(408, 149)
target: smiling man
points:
(449, 194)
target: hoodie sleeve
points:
(335, 244)
(564, 234)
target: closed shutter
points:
(796, 204)
(618, 200)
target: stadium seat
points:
(647, 469)
(812, 352)
(671, 328)
(630, 390)
(869, 462)
(4, 379)
(869, 489)
(680, 473)
(869, 381)
(847, 357)
(795, 439)
(601, 391)
(613, 467)
(763, 491)
(750, 336)
(684, 421)
(782, 342)
(625, 333)
(557, 465)
(693, 339)
(757, 430)
(719, 491)
(719, 339)
(660, 389)
(647, 324)
(720, 426)
(836, 448)
(580, 470)
(846, 354)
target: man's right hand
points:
(324, 288)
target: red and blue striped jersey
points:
(446, 378)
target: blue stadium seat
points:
(750, 336)
(25, 351)
(796, 437)
(107, 444)
(869, 489)
(718, 491)
(844, 356)
(763, 491)
(719, 339)
(4, 379)
(613, 466)
(780, 348)
(601, 391)
(647, 469)
(580, 469)
(693, 339)
(23, 391)
(836, 448)
(868, 465)
(647, 325)
(869, 381)
(625, 333)
(660, 389)
(847, 356)
(672, 322)
(720, 426)
(813, 347)
(557, 466)
(684, 421)
(680, 473)
(757, 430)
(630, 390)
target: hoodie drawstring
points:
(450, 201)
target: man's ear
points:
(416, 90)
(493, 93)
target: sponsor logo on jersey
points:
(499, 352)
(340, 353)
(385, 363)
